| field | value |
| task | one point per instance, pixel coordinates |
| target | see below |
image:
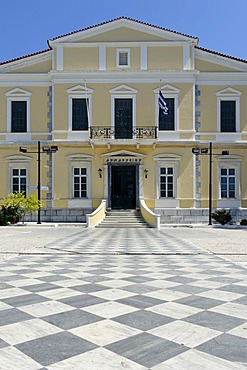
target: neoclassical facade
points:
(94, 94)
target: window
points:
(19, 180)
(123, 57)
(18, 116)
(228, 116)
(228, 183)
(18, 111)
(79, 182)
(166, 182)
(123, 118)
(80, 114)
(166, 121)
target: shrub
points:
(222, 217)
(243, 221)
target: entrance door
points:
(123, 187)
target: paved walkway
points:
(122, 299)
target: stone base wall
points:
(194, 216)
(61, 215)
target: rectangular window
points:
(123, 118)
(167, 121)
(79, 182)
(228, 116)
(123, 57)
(18, 116)
(79, 114)
(19, 180)
(166, 182)
(228, 183)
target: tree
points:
(17, 205)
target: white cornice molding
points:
(119, 23)
(122, 44)
(229, 91)
(25, 62)
(220, 60)
(221, 78)
(123, 89)
(123, 153)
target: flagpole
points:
(87, 106)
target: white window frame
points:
(80, 96)
(123, 96)
(123, 50)
(17, 95)
(17, 162)
(228, 94)
(166, 176)
(79, 161)
(167, 160)
(229, 162)
(169, 92)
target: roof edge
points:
(25, 56)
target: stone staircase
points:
(124, 219)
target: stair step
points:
(123, 219)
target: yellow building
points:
(94, 94)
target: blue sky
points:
(25, 25)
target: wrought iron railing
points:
(144, 132)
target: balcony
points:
(143, 133)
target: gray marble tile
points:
(12, 316)
(215, 320)
(23, 300)
(72, 319)
(199, 302)
(146, 349)
(54, 348)
(39, 287)
(141, 301)
(89, 288)
(229, 347)
(143, 320)
(82, 300)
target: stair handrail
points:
(98, 215)
(149, 216)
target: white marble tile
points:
(45, 308)
(69, 282)
(221, 295)
(11, 292)
(25, 282)
(175, 310)
(162, 284)
(109, 309)
(167, 295)
(240, 331)
(195, 360)
(59, 293)
(4, 306)
(113, 294)
(26, 330)
(12, 359)
(232, 309)
(98, 359)
(104, 332)
(185, 333)
(118, 283)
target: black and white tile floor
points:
(122, 299)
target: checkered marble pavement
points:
(122, 299)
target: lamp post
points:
(205, 151)
(47, 150)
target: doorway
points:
(123, 187)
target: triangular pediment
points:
(229, 91)
(167, 89)
(123, 153)
(123, 89)
(18, 92)
(123, 29)
(80, 89)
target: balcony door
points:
(123, 118)
(123, 190)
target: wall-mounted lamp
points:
(146, 173)
(100, 172)
(50, 149)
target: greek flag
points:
(162, 103)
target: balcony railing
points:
(144, 132)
